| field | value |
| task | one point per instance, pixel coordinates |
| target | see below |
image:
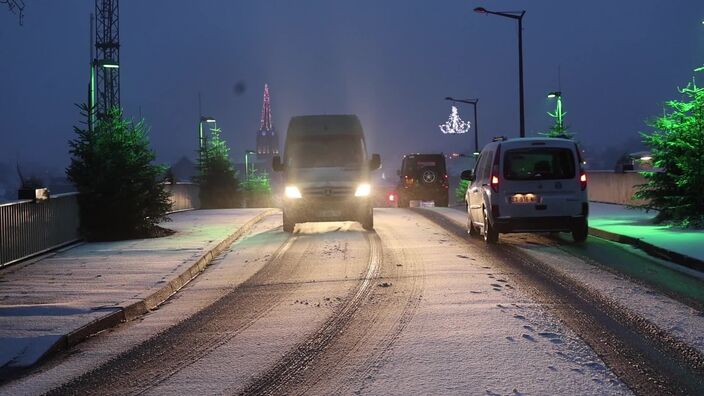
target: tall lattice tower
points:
(107, 61)
(267, 139)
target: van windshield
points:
(325, 151)
(542, 163)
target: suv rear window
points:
(411, 165)
(543, 163)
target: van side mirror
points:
(276, 164)
(467, 175)
(375, 162)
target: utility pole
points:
(107, 61)
(91, 82)
(16, 7)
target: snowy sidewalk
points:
(60, 299)
(635, 227)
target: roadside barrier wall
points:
(612, 187)
(184, 196)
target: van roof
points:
(337, 124)
(534, 141)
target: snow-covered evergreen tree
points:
(677, 148)
(219, 187)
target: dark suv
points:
(423, 177)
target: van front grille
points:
(331, 191)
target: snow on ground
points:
(637, 223)
(252, 350)
(43, 300)
(476, 332)
(677, 319)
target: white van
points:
(527, 185)
(326, 171)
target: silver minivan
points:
(326, 171)
(527, 185)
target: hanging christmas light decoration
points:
(454, 123)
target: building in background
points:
(267, 139)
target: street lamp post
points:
(558, 108)
(247, 153)
(108, 64)
(475, 103)
(517, 15)
(201, 138)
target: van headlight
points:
(363, 190)
(292, 192)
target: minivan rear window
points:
(539, 163)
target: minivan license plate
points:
(524, 198)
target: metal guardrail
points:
(28, 228)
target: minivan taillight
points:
(495, 170)
(583, 180)
(495, 183)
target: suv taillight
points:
(583, 180)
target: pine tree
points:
(257, 189)
(677, 149)
(121, 195)
(461, 190)
(219, 187)
(558, 129)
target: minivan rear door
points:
(540, 180)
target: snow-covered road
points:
(413, 308)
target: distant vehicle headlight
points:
(292, 192)
(363, 190)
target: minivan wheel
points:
(288, 224)
(490, 235)
(472, 229)
(580, 231)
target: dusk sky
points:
(390, 62)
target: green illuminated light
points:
(111, 66)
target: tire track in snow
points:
(360, 351)
(157, 359)
(297, 361)
(412, 279)
(647, 359)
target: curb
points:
(138, 307)
(655, 251)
